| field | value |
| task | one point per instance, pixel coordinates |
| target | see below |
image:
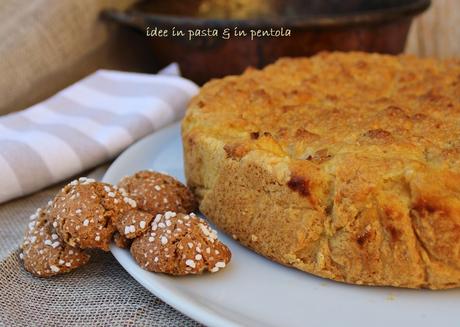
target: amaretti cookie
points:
(121, 241)
(157, 193)
(133, 223)
(85, 212)
(180, 244)
(43, 251)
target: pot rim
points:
(315, 21)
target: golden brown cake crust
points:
(346, 166)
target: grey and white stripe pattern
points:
(85, 125)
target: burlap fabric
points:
(99, 294)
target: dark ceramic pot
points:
(316, 25)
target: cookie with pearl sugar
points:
(133, 223)
(157, 192)
(44, 254)
(86, 212)
(121, 241)
(180, 244)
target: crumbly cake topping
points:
(318, 108)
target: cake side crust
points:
(342, 165)
(373, 239)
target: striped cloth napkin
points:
(84, 125)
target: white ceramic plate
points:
(253, 291)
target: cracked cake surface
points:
(346, 166)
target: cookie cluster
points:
(147, 212)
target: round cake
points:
(343, 165)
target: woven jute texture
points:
(99, 294)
